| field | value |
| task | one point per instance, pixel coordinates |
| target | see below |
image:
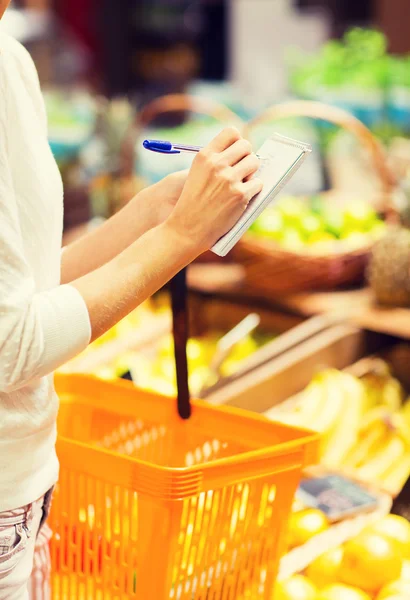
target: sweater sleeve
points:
(39, 331)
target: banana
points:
(392, 450)
(303, 413)
(367, 445)
(310, 403)
(392, 395)
(394, 478)
(378, 414)
(345, 434)
(332, 402)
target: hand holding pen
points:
(218, 188)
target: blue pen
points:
(164, 147)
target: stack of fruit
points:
(375, 565)
(154, 370)
(365, 424)
(316, 226)
(152, 366)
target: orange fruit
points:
(296, 587)
(325, 570)
(370, 561)
(396, 528)
(304, 524)
(342, 592)
(396, 588)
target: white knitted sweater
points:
(42, 323)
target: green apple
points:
(310, 225)
(356, 239)
(322, 243)
(269, 224)
(358, 216)
(333, 221)
(291, 210)
(292, 239)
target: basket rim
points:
(269, 245)
(174, 483)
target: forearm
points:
(115, 289)
(98, 247)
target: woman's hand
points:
(163, 196)
(218, 189)
(214, 196)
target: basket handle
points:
(337, 116)
(168, 104)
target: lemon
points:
(304, 524)
(297, 587)
(370, 561)
(342, 592)
(396, 588)
(324, 570)
(397, 529)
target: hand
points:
(217, 191)
(163, 196)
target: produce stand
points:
(205, 499)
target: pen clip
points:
(160, 147)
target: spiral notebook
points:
(280, 158)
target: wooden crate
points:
(289, 370)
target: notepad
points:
(280, 158)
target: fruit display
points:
(315, 225)
(358, 74)
(364, 422)
(152, 364)
(155, 370)
(373, 565)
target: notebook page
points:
(280, 158)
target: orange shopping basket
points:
(153, 507)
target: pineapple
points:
(389, 267)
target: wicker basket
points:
(272, 270)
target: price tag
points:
(336, 496)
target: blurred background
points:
(101, 62)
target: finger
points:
(246, 167)
(224, 140)
(236, 152)
(251, 188)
